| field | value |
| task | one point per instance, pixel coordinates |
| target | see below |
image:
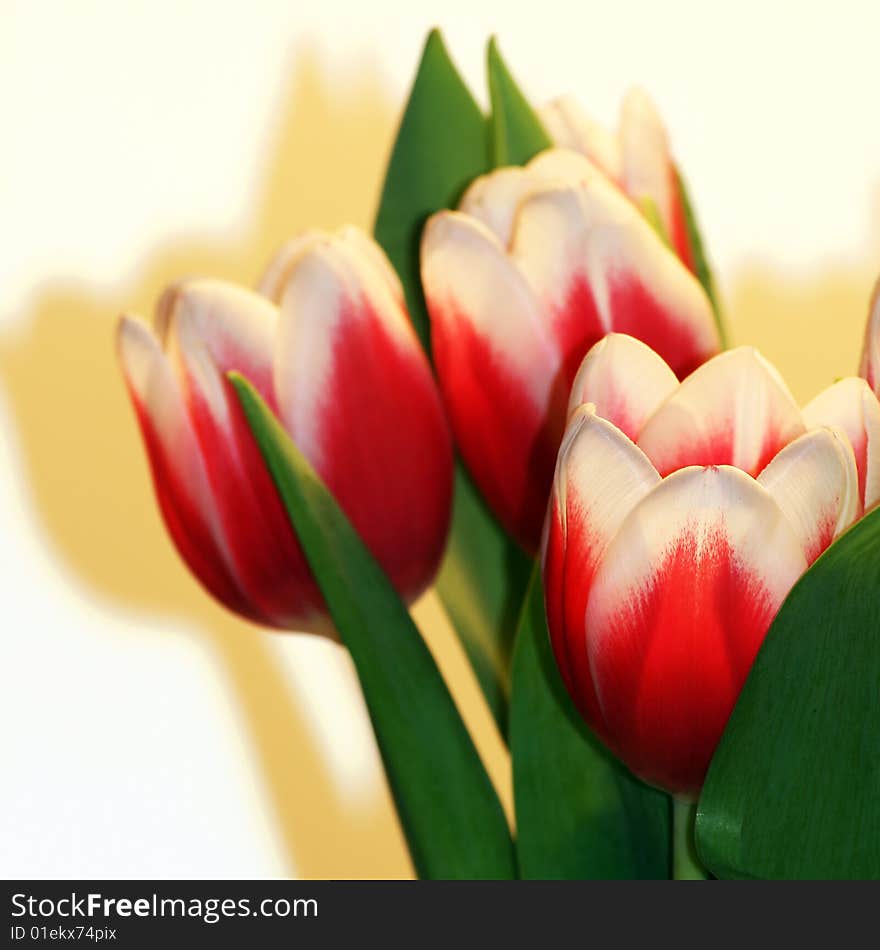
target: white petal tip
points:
(138, 351)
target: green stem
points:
(685, 863)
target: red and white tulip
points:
(636, 157)
(329, 345)
(536, 265)
(681, 516)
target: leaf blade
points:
(517, 133)
(453, 821)
(440, 146)
(810, 708)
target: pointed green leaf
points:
(793, 790)
(517, 133)
(701, 261)
(451, 815)
(441, 145)
(579, 813)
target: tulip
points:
(537, 265)
(870, 365)
(681, 516)
(329, 346)
(637, 157)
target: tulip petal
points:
(362, 244)
(179, 477)
(869, 368)
(281, 267)
(271, 284)
(356, 394)
(850, 405)
(497, 366)
(597, 266)
(494, 199)
(625, 379)
(562, 166)
(646, 162)
(679, 606)
(815, 482)
(648, 170)
(214, 328)
(600, 476)
(570, 127)
(734, 410)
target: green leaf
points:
(516, 131)
(701, 261)
(441, 145)
(481, 583)
(453, 821)
(793, 790)
(579, 813)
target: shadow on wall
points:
(87, 470)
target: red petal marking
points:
(553, 575)
(635, 310)
(577, 326)
(625, 380)
(599, 483)
(617, 408)
(717, 448)
(268, 559)
(508, 443)
(675, 657)
(826, 525)
(579, 569)
(384, 446)
(186, 525)
(678, 225)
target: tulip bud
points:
(331, 350)
(637, 157)
(537, 265)
(870, 365)
(681, 516)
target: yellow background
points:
(144, 731)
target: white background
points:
(142, 731)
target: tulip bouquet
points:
(665, 573)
